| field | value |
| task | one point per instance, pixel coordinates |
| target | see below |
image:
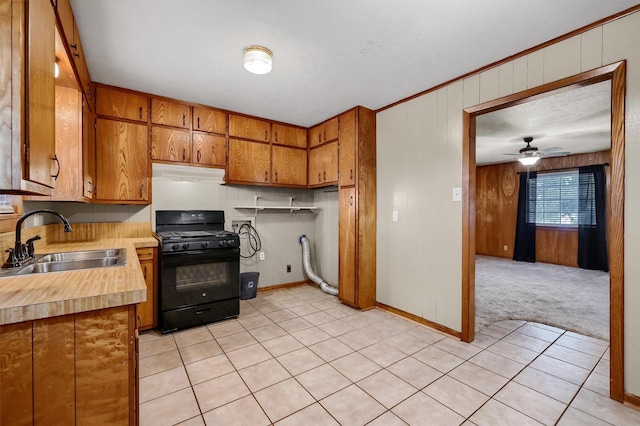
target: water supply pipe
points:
(306, 263)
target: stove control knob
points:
(222, 243)
(204, 244)
(175, 247)
(230, 242)
(185, 246)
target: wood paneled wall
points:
(497, 208)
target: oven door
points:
(197, 277)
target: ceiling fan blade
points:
(557, 154)
(510, 154)
(552, 149)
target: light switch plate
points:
(457, 194)
(395, 216)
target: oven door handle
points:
(215, 254)
(204, 311)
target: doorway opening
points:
(614, 73)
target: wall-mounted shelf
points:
(290, 207)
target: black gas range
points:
(199, 267)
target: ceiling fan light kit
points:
(529, 160)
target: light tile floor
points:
(299, 357)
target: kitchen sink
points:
(71, 261)
(80, 255)
(68, 265)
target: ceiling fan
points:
(529, 155)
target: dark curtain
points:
(524, 248)
(592, 235)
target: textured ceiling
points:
(577, 121)
(329, 55)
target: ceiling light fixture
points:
(529, 160)
(258, 59)
(56, 69)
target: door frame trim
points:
(616, 73)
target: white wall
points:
(420, 160)
(192, 188)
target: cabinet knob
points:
(140, 113)
(77, 55)
(324, 176)
(198, 123)
(276, 176)
(324, 135)
(319, 177)
(351, 174)
(266, 135)
(198, 156)
(144, 271)
(265, 176)
(276, 136)
(141, 188)
(351, 200)
(74, 46)
(184, 119)
(55, 158)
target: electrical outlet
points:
(288, 268)
(506, 248)
(394, 216)
(261, 255)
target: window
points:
(556, 199)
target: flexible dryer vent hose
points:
(306, 263)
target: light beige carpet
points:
(570, 298)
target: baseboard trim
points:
(632, 401)
(420, 320)
(284, 286)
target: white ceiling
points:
(577, 121)
(329, 55)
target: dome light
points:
(258, 59)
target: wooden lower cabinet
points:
(147, 316)
(72, 369)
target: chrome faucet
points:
(24, 252)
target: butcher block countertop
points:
(36, 296)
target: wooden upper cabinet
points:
(249, 162)
(170, 113)
(41, 165)
(72, 37)
(209, 150)
(122, 166)
(170, 144)
(209, 120)
(324, 132)
(120, 104)
(323, 165)
(289, 135)
(289, 166)
(347, 148)
(249, 128)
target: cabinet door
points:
(170, 113)
(249, 128)
(249, 161)
(347, 148)
(170, 145)
(289, 166)
(347, 286)
(323, 167)
(104, 360)
(209, 120)
(88, 148)
(16, 374)
(122, 168)
(289, 135)
(69, 145)
(119, 104)
(324, 132)
(209, 150)
(147, 310)
(54, 371)
(41, 93)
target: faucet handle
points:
(30, 248)
(12, 260)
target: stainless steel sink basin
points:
(71, 261)
(68, 265)
(79, 255)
